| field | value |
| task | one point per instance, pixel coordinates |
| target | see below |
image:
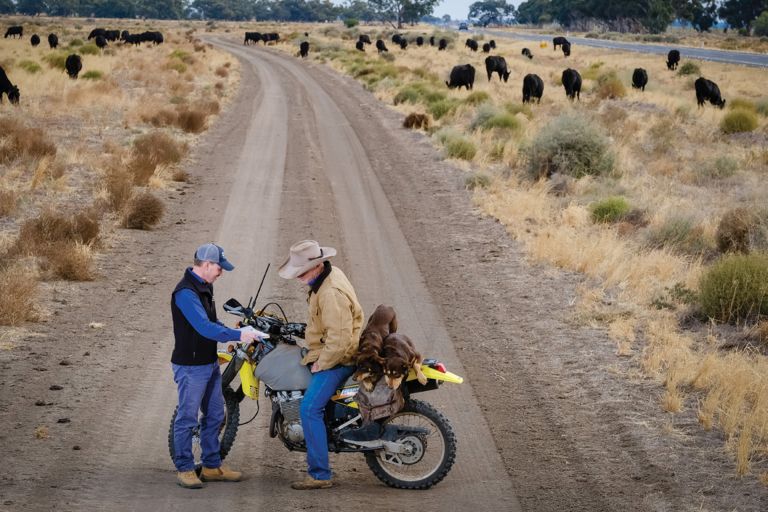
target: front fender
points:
(248, 380)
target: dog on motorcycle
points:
(381, 323)
(398, 357)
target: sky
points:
(458, 9)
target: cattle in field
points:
(673, 57)
(533, 87)
(252, 37)
(380, 46)
(14, 31)
(365, 38)
(7, 88)
(707, 90)
(112, 35)
(527, 53)
(134, 39)
(304, 49)
(403, 43)
(359, 45)
(567, 49)
(96, 32)
(492, 44)
(152, 37)
(53, 40)
(471, 44)
(73, 65)
(572, 83)
(558, 41)
(486, 48)
(101, 42)
(34, 40)
(124, 34)
(462, 76)
(442, 45)
(396, 39)
(496, 64)
(272, 37)
(419, 41)
(639, 79)
(431, 40)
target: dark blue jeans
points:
(199, 391)
(323, 386)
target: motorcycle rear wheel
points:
(227, 432)
(430, 456)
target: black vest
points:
(191, 348)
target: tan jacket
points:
(334, 324)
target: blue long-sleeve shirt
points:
(192, 309)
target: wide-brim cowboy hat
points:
(304, 256)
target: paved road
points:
(743, 58)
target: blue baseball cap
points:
(213, 253)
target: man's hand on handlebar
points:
(248, 336)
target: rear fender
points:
(432, 374)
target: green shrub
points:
(477, 97)
(570, 145)
(593, 71)
(477, 180)
(737, 121)
(411, 93)
(719, 168)
(442, 108)
(30, 66)
(760, 25)
(89, 49)
(742, 103)
(489, 117)
(681, 234)
(735, 289)
(56, 60)
(689, 68)
(177, 66)
(610, 86)
(761, 107)
(76, 42)
(460, 148)
(351, 22)
(611, 209)
(92, 75)
(519, 108)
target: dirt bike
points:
(420, 447)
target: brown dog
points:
(381, 323)
(399, 356)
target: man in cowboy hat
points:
(332, 336)
(196, 369)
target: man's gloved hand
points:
(248, 336)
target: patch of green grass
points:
(75, 42)
(442, 108)
(743, 104)
(735, 289)
(519, 108)
(681, 234)
(30, 66)
(56, 60)
(689, 68)
(489, 117)
(89, 49)
(761, 107)
(477, 97)
(737, 121)
(93, 74)
(610, 209)
(477, 180)
(593, 71)
(610, 86)
(461, 149)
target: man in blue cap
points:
(196, 369)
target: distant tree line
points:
(394, 11)
(640, 15)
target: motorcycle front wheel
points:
(227, 431)
(428, 458)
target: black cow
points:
(380, 46)
(35, 40)
(152, 37)
(112, 35)
(442, 45)
(419, 41)
(73, 64)
(272, 37)
(252, 37)
(101, 42)
(527, 53)
(639, 79)
(431, 40)
(134, 39)
(492, 43)
(14, 31)
(359, 45)
(396, 39)
(496, 64)
(124, 34)
(462, 76)
(673, 57)
(97, 32)
(486, 48)
(558, 41)
(471, 44)
(707, 90)
(572, 83)
(365, 38)
(7, 88)
(53, 40)
(567, 49)
(533, 87)
(403, 43)
(304, 49)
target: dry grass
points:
(71, 261)
(18, 141)
(191, 120)
(143, 211)
(51, 227)
(9, 200)
(18, 301)
(149, 151)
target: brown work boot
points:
(221, 474)
(188, 480)
(310, 483)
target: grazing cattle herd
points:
(533, 87)
(462, 76)
(496, 64)
(7, 88)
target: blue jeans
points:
(199, 390)
(323, 386)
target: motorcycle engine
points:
(290, 403)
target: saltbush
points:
(737, 121)
(689, 68)
(735, 289)
(570, 145)
(610, 209)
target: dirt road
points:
(541, 422)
